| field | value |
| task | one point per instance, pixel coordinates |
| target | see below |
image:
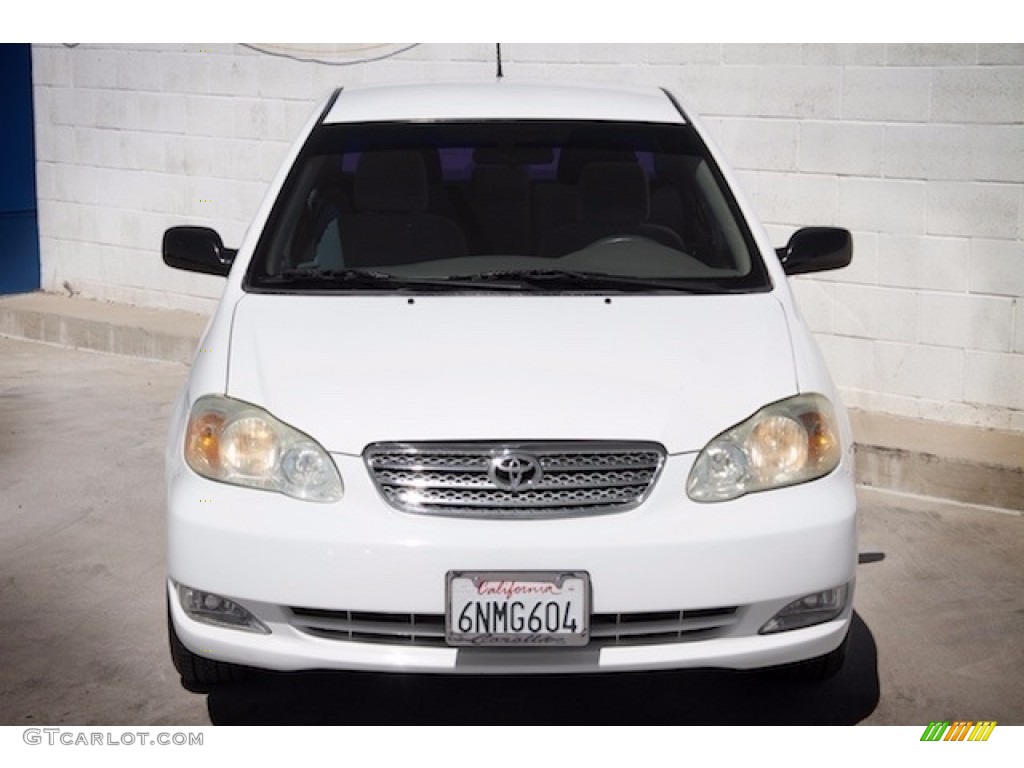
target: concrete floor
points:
(939, 632)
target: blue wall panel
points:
(19, 237)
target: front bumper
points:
(270, 554)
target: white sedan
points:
(506, 378)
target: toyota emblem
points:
(515, 471)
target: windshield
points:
(539, 206)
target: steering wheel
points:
(620, 239)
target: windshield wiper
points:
(355, 279)
(576, 279)
(497, 280)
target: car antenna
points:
(497, 53)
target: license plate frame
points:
(534, 592)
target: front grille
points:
(367, 627)
(427, 630)
(514, 480)
(659, 627)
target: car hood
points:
(352, 370)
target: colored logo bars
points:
(960, 730)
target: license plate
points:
(529, 609)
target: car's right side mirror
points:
(197, 249)
(816, 249)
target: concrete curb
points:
(925, 474)
(155, 334)
(969, 465)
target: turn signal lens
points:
(203, 440)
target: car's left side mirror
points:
(816, 249)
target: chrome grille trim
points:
(456, 479)
(427, 630)
(431, 479)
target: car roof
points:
(502, 100)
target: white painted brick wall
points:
(978, 95)
(1018, 328)
(885, 94)
(917, 370)
(791, 197)
(918, 149)
(841, 148)
(871, 312)
(997, 268)
(893, 206)
(851, 361)
(921, 262)
(982, 209)
(967, 322)
(994, 379)
(928, 152)
(768, 145)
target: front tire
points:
(818, 669)
(199, 674)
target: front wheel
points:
(817, 669)
(199, 674)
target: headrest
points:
(513, 155)
(614, 193)
(573, 159)
(432, 162)
(499, 180)
(676, 170)
(391, 181)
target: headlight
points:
(238, 443)
(784, 443)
